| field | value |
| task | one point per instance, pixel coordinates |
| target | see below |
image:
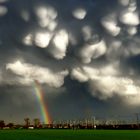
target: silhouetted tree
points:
(2, 124)
(10, 125)
(36, 122)
(27, 122)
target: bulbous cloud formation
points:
(94, 51)
(79, 13)
(3, 10)
(110, 24)
(90, 44)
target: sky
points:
(84, 54)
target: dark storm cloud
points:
(84, 53)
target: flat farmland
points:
(69, 134)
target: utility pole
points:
(93, 121)
(137, 119)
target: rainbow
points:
(43, 108)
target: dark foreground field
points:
(69, 135)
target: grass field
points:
(69, 134)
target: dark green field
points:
(69, 135)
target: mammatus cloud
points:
(127, 16)
(42, 39)
(3, 10)
(46, 16)
(93, 46)
(92, 51)
(3, 1)
(59, 44)
(79, 13)
(124, 2)
(110, 24)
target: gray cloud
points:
(97, 48)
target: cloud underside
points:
(100, 55)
